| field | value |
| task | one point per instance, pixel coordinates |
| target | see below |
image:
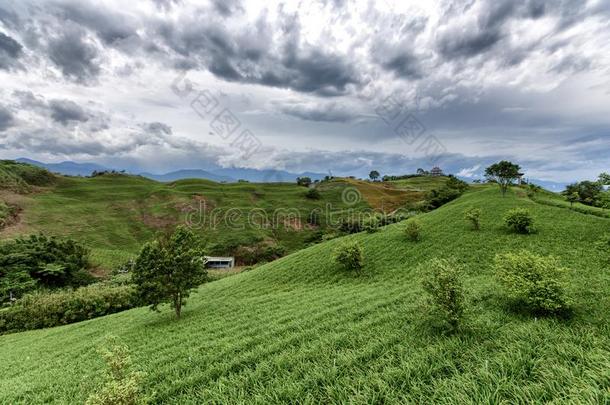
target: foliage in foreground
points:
(38, 261)
(535, 282)
(122, 386)
(473, 215)
(443, 283)
(349, 256)
(413, 230)
(168, 269)
(519, 220)
(45, 310)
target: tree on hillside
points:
(374, 175)
(503, 173)
(169, 268)
(604, 179)
(588, 191)
(572, 198)
(303, 181)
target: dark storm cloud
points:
(64, 111)
(464, 41)
(401, 62)
(75, 56)
(246, 56)
(6, 118)
(10, 51)
(111, 27)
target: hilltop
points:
(115, 214)
(300, 330)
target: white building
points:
(220, 262)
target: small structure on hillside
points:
(220, 262)
(436, 171)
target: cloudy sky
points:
(341, 86)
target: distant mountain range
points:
(220, 174)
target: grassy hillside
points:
(115, 214)
(558, 200)
(298, 329)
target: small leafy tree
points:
(350, 257)
(604, 179)
(374, 175)
(572, 198)
(519, 220)
(122, 386)
(168, 269)
(535, 281)
(474, 216)
(304, 181)
(413, 230)
(503, 173)
(443, 283)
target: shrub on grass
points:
(474, 216)
(313, 194)
(413, 230)
(45, 310)
(519, 220)
(537, 282)
(122, 386)
(443, 283)
(349, 256)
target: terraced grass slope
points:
(298, 329)
(115, 214)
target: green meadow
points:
(114, 215)
(301, 330)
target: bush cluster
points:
(443, 283)
(449, 192)
(313, 194)
(378, 220)
(44, 310)
(122, 386)
(473, 215)
(349, 256)
(38, 261)
(413, 230)
(519, 220)
(537, 282)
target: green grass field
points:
(115, 215)
(299, 330)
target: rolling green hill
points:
(300, 330)
(115, 214)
